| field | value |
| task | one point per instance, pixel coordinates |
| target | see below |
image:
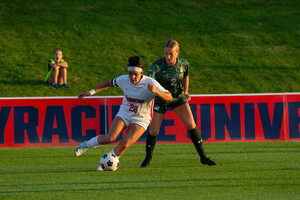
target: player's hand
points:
(83, 94)
(152, 88)
(187, 96)
(56, 66)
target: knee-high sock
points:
(150, 144)
(93, 142)
(197, 141)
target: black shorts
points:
(163, 107)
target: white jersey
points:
(138, 100)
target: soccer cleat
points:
(207, 161)
(55, 85)
(65, 85)
(81, 149)
(146, 162)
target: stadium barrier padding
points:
(67, 121)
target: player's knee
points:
(190, 125)
(153, 132)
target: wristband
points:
(92, 92)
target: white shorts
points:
(130, 120)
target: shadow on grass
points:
(22, 82)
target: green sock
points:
(197, 141)
(150, 144)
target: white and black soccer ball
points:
(108, 162)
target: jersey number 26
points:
(133, 108)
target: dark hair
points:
(57, 50)
(135, 61)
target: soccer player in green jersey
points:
(57, 70)
(172, 73)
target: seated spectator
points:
(57, 70)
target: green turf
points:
(254, 170)
(233, 46)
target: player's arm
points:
(53, 65)
(102, 86)
(166, 96)
(186, 81)
(62, 64)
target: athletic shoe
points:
(55, 85)
(65, 85)
(207, 161)
(81, 149)
(146, 162)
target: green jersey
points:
(170, 77)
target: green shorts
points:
(162, 108)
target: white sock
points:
(113, 151)
(93, 142)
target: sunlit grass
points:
(232, 46)
(253, 170)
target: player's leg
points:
(152, 137)
(116, 128)
(185, 114)
(52, 79)
(60, 76)
(134, 132)
(63, 73)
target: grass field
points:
(258, 170)
(233, 46)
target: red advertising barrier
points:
(67, 121)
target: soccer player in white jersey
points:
(135, 111)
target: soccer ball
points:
(108, 162)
